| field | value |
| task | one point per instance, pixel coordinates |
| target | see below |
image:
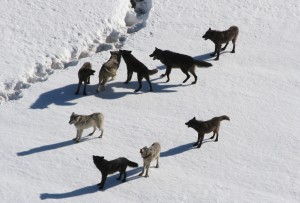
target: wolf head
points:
(125, 52)
(191, 122)
(87, 65)
(116, 55)
(156, 53)
(144, 152)
(74, 118)
(98, 161)
(208, 34)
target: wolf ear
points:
(73, 113)
(194, 118)
(209, 29)
(129, 52)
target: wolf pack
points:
(108, 72)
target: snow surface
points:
(44, 43)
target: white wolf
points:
(82, 122)
(148, 155)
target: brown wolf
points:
(109, 69)
(221, 37)
(134, 65)
(204, 127)
(84, 74)
(175, 60)
(109, 167)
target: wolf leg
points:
(119, 178)
(168, 71)
(78, 87)
(192, 71)
(157, 162)
(200, 143)
(214, 53)
(148, 80)
(225, 46)
(101, 133)
(187, 75)
(218, 51)
(101, 185)
(142, 171)
(92, 132)
(147, 170)
(198, 140)
(216, 140)
(124, 176)
(84, 88)
(212, 137)
(129, 76)
(79, 136)
(140, 77)
(233, 49)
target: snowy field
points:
(43, 45)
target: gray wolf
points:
(109, 167)
(204, 127)
(134, 65)
(149, 154)
(221, 37)
(175, 60)
(82, 122)
(109, 69)
(84, 74)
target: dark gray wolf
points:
(149, 154)
(221, 37)
(109, 69)
(175, 60)
(84, 74)
(134, 65)
(109, 167)
(204, 127)
(82, 122)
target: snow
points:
(43, 45)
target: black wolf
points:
(134, 65)
(175, 60)
(204, 127)
(109, 167)
(221, 37)
(84, 74)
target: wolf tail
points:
(224, 118)
(152, 72)
(202, 63)
(132, 164)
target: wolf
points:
(109, 69)
(84, 74)
(134, 65)
(109, 167)
(82, 122)
(204, 127)
(148, 155)
(175, 60)
(221, 37)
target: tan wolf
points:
(175, 60)
(82, 122)
(134, 65)
(149, 154)
(84, 74)
(109, 69)
(204, 127)
(221, 37)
